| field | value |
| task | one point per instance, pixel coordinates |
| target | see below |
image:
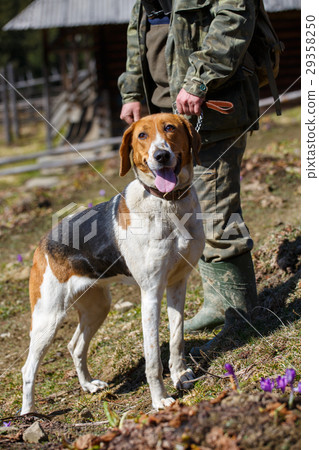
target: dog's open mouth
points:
(166, 177)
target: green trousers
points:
(217, 182)
(226, 266)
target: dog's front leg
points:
(151, 304)
(181, 376)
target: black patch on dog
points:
(88, 241)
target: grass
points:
(271, 173)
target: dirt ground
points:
(229, 422)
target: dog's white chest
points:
(158, 235)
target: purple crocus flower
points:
(267, 384)
(230, 370)
(90, 205)
(231, 373)
(6, 424)
(298, 388)
(19, 258)
(290, 375)
(282, 383)
(102, 192)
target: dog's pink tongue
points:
(165, 180)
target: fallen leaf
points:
(177, 420)
(220, 397)
(109, 436)
(274, 406)
(217, 439)
(84, 442)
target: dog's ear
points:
(194, 138)
(125, 150)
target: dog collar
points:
(177, 194)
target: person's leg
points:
(226, 265)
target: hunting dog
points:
(151, 232)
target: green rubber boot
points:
(229, 291)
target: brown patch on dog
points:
(61, 268)
(36, 278)
(193, 136)
(183, 139)
(142, 146)
(125, 149)
(59, 263)
(124, 219)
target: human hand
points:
(131, 112)
(189, 104)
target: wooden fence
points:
(21, 101)
(86, 152)
(14, 109)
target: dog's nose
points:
(162, 156)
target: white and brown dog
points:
(151, 232)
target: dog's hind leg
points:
(93, 307)
(181, 376)
(47, 301)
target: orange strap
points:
(221, 106)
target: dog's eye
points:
(142, 136)
(169, 128)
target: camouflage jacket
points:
(206, 45)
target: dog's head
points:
(161, 148)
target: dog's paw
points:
(184, 380)
(163, 403)
(27, 410)
(94, 386)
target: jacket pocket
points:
(193, 21)
(238, 118)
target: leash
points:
(199, 122)
(221, 106)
